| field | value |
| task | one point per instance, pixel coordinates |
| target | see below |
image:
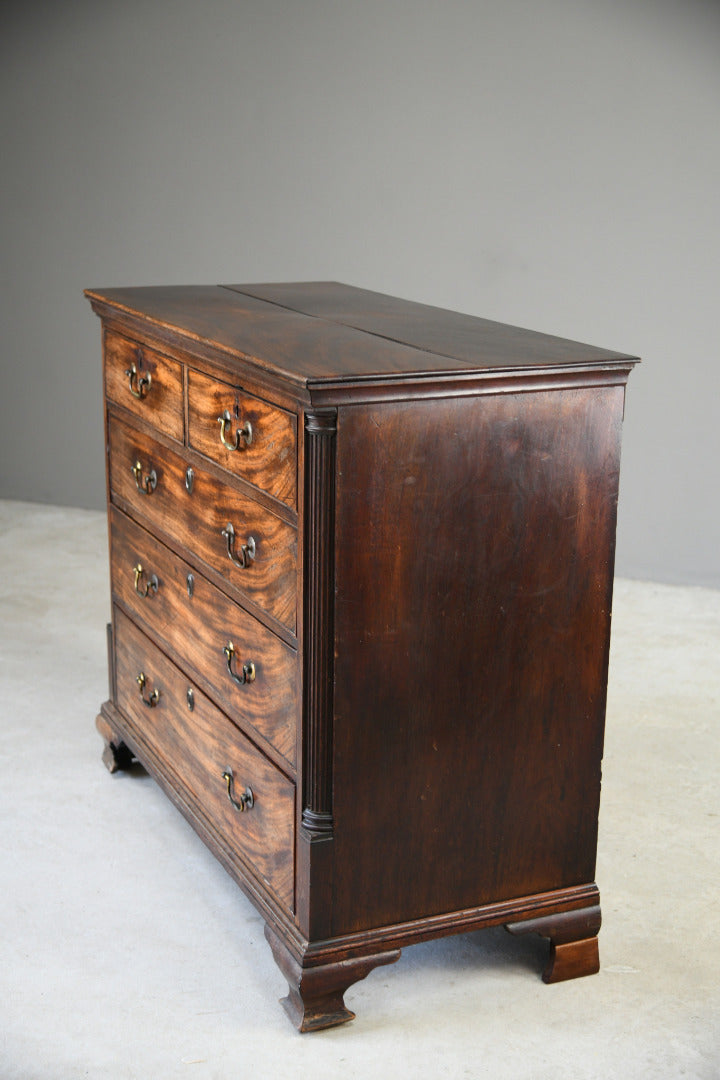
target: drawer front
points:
(198, 520)
(198, 746)
(255, 440)
(147, 383)
(196, 622)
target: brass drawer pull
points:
(247, 799)
(243, 434)
(151, 585)
(247, 551)
(248, 669)
(139, 384)
(152, 700)
(145, 484)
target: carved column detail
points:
(320, 449)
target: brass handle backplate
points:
(145, 484)
(243, 434)
(152, 699)
(248, 669)
(151, 585)
(139, 384)
(247, 551)
(246, 800)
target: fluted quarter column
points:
(320, 455)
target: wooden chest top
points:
(315, 334)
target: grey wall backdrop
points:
(554, 164)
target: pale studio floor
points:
(127, 952)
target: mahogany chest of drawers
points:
(362, 565)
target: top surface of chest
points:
(311, 334)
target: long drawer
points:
(210, 760)
(248, 671)
(253, 550)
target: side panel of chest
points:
(474, 562)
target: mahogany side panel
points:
(474, 584)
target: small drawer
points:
(243, 434)
(147, 383)
(253, 550)
(212, 637)
(200, 748)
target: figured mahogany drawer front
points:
(245, 668)
(253, 550)
(147, 383)
(199, 745)
(244, 435)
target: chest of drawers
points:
(362, 561)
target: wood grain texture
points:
(573, 942)
(162, 403)
(287, 345)
(431, 662)
(315, 999)
(196, 520)
(195, 628)
(474, 583)
(448, 335)
(270, 460)
(346, 333)
(467, 920)
(198, 746)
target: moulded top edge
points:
(313, 333)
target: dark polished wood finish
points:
(381, 700)
(510, 504)
(573, 942)
(315, 996)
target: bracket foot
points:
(573, 942)
(315, 994)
